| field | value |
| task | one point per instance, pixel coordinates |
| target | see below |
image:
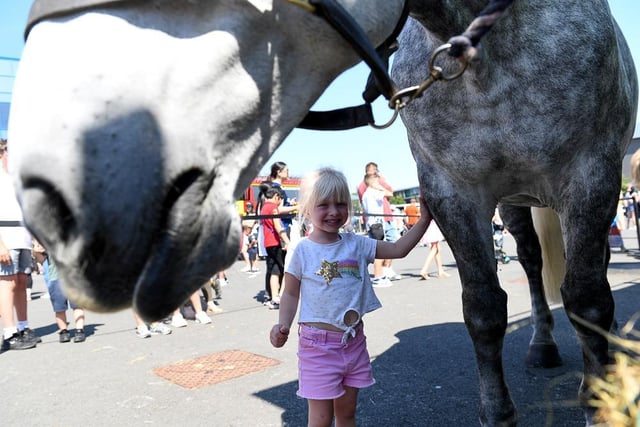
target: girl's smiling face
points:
(328, 216)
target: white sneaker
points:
(272, 305)
(159, 328)
(212, 308)
(202, 317)
(223, 282)
(391, 275)
(143, 332)
(381, 282)
(177, 321)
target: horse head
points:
(135, 125)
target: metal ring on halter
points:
(409, 93)
(404, 96)
(443, 76)
(393, 118)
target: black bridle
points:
(379, 82)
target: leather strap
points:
(379, 81)
(340, 119)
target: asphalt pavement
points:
(227, 373)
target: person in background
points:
(630, 202)
(59, 301)
(212, 291)
(372, 202)
(247, 219)
(275, 243)
(280, 172)
(200, 316)
(252, 251)
(249, 242)
(434, 237)
(412, 212)
(15, 265)
(327, 275)
(390, 230)
(144, 330)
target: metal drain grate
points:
(213, 368)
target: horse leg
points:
(586, 292)
(484, 304)
(543, 350)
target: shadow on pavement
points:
(429, 378)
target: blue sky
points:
(347, 151)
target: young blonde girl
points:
(327, 274)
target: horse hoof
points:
(543, 356)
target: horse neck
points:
(445, 18)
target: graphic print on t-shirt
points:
(335, 269)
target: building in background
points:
(407, 193)
(8, 70)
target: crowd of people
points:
(270, 230)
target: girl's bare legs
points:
(321, 412)
(344, 408)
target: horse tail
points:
(547, 225)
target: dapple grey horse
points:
(135, 124)
(542, 119)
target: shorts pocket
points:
(306, 342)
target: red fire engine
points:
(291, 186)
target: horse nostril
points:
(46, 212)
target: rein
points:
(379, 82)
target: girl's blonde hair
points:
(324, 184)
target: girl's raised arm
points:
(401, 247)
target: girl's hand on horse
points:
(279, 335)
(424, 210)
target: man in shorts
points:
(15, 265)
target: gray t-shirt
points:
(334, 279)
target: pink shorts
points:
(326, 365)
